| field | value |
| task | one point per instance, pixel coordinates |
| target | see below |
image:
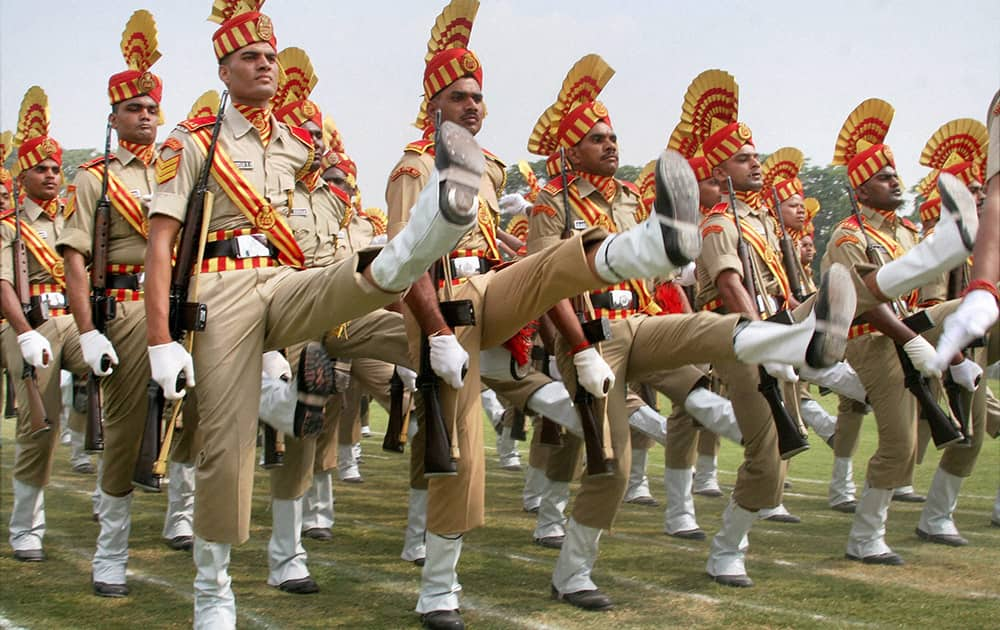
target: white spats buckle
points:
(252, 246)
(771, 303)
(620, 299)
(579, 224)
(466, 266)
(54, 299)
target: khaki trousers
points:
(850, 413)
(682, 434)
(252, 311)
(708, 443)
(33, 456)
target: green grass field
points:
(802, 579)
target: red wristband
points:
(583, 345)
(983, 285)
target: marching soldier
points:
(135, 96)
(48, 345)
(253, 280)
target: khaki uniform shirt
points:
(49, 229)
(718, 250)
(321, 229)
(847, 243)
(272, 171)
(126, 246)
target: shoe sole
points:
(694, 534)
(715, 494)
(834, 311)
(725, 580)
(315, 384)
(876, 560)
(676, 208)
(950, 541)
(961, 205)
(460, 164)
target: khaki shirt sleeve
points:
(408, 178)
(78, 231)
(993, 128)
(846, 247)
(6, 253)
(546, 223)
(718, 249)
(172, 194)
(934, 292)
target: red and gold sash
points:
(254, 207)
(121, 200)
(766, 253)
(43, 253)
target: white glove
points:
(275, 365)
(35, 348)
(514, 203)
(782, 372)
(593, 373)
(686, 277)
(95, 347)
(921, 353)
(554, 368)
(341, 376)
(167, 362)
(974, 316)
(449, 360)
(967, 374)
(409, 378)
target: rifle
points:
(596, 436)
(399, 418)
(9, 410)
(440, 451)
(945, 430)
(274, 448)
(959, 398)
(102, 307)
(184, 316)
(789, 260)
(791, 437)
(36, 312)
(550, 433)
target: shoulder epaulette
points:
(193, 124)
(341, 194)
(490, 155)
(630, 185)
(301, 135)
(850, 223)
(97, 161)
(420, 147)
(909, 225)
(720, 208)
(555, 184)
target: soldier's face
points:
(135, 119)
(979, 193)
(41, 181)
(597, 153)
(709, 192)
(882, 191)
(338, 178)
(319, 147)
(807, 250)
(744, 168)
(460, 103)
(251, 74)
(4, 200)
(793, 212)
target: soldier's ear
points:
(719, 175)
(224, 74)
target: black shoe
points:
(960, 204)
(29, 555)
(714, 493)
(550, 542)
(354, 480)
(533, 510)
(420, 561)
(786, 484)
(736, 581)
(181, 543)
(834, 311)
(909, 497)
(689, 534)
(318, 533)
(442, 620)
(84, 468)
(587, 600)
(646, 500)
(952, 540)
(301, 586)
(847, 507)
(889, 559)
(783, 518)
(315, 384)
(461, 164)
(677, 208)
(110, 590)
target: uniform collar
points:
(127, 151)
(880, 218)
(241, 126)
(35, 209)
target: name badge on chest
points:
(299, 212)
(43, 233)
(579, 224)
(244, 165)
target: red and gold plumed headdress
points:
(530, 179)
(687, 145)
(957, 147)
(812, 209)
(291, 100)
(518, 227)
(336, 156)
(241, 24)
(206, 105)
(710, 111)
(781, 171)
(378, 219)
(32, 140)
(139, 50)
(6, 146)
(860, 144)
(576, 110)
(930, 207)
(646, 183)
(448, 57)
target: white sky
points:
(801, 66)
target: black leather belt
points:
(229, 248)
(606, 301)
(130, 281)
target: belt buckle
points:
(466, 266)
(251, 246)
(140, 280)
(620, 299)
(762, 306)
(54, 299)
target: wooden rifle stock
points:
(143, 475)
(274, 448)
(791, 440)
(395, 431)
